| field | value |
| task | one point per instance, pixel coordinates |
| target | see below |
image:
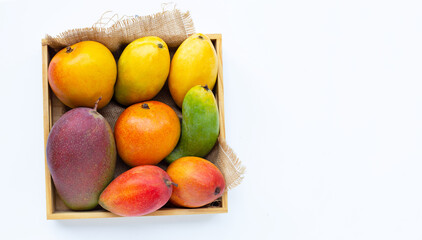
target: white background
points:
(323, 105)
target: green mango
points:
(200, 125)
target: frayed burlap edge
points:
(228, 162)
(173, 26)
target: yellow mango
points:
(194, 63)
(142, 70)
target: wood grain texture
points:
(220, 101)
(162, 212)
(220, 87)
(54, 109)
(47, 126)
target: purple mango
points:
(81, 157)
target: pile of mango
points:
(82, 147)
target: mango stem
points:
(69, 50)
(96, 104)
(169, 183)
(145, 106)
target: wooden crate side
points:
(220, 101)
(161, 212)
(47, 126)
(220, 89)
(214, 36)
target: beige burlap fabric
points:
(173, 27)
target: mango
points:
(194, 63)
(199, 182)
(200, 124)
(81, 157)
(146, 133)
(142, 70)
(82, 73)
(138, 191)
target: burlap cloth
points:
(173, 27)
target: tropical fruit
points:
(146, 133)
(194, 63)
(138, 191)
(142, 70)
(200, 125)
(82, 73)
(199, 182)
(81, 157)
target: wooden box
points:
(53, 109)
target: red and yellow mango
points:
(138, 191)
(199, 182)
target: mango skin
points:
(200, 124)
(81, 157)
(82, 74)
(142, 70)
(199, 182)
(138, 191)
(194, 63)
(146, 133)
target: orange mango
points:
(146, 133)
(82, 73)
